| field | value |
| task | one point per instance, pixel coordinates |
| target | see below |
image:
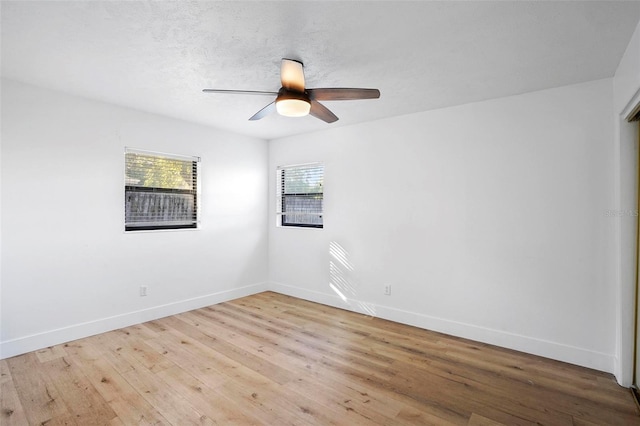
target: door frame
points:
(626, 231)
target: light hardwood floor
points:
(276, 360)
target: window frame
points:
(281, 197)
(130, 227)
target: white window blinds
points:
(161, 191)
(300, 195)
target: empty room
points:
(319, 212)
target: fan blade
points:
(239, 92)
(342, 94)
(264, 112)
(322, 112)
(292, 75)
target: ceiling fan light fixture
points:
(293, 104)
(295, 100)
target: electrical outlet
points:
(387, 290)
(143, 290)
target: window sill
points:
(153, 231)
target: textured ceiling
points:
(157, 56)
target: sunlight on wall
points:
(341, 283)
(340, 255)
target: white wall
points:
(626, 84)
(487, 219)
(68, 269)
(626, 81)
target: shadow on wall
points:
(340, 269)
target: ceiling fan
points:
(295, 100)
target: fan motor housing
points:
(292, 103)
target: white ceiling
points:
(157, 56)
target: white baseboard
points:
(573, 355)
(553, 350)
(34, 342)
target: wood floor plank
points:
(240, 382)
(209, 401)
(66, 420)
(588, 399)
(167, 401)
(38, 394)
(11, 411)
(508, 390)
(112, 350)
(131, 346)
(200, 361)
(466, 395)
(284, 336)
(83, 402)
(249, 357)
(272, 359)
(477, 420)
(297, 408)
(51, 353)
(296, 354)
(126, 402)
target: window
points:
(160, 191)
(300, 195)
